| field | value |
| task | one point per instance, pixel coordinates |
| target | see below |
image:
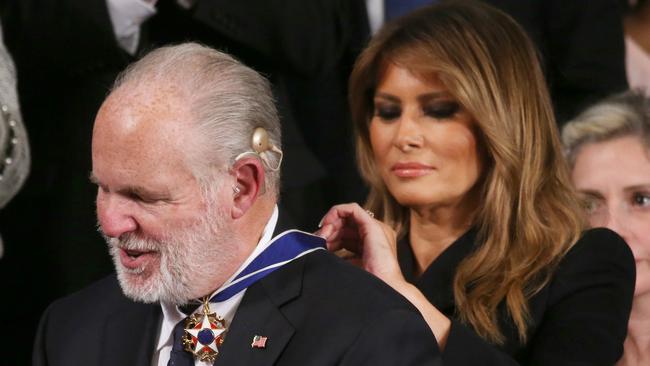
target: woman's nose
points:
(409, 135)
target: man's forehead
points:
(139, 160)
(141, 129)
(147, 98)
(146, 111)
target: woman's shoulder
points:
(586, 305)
(600, 245)
(600, 256)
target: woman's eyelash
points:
(388, 112)
(442, 110)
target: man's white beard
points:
(188, 261)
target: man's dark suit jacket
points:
(67, 57)
(317, 310)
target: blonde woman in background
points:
(471, 214)
(608, 147)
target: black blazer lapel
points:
(130, 335)
(260, 313)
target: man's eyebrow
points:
(143, 192)
(138, 190)
(133, 190)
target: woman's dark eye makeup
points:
(437, 110)
(387, 111)
(442, 109)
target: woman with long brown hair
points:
(471, 214)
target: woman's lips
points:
(134, 259)
(411, 169)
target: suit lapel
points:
(130, 335)
(260, 313)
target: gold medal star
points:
(207, 335)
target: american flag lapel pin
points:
(259, 342)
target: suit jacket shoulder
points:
(316, 310)
(319, 310)
(97, 326)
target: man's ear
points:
(249, 184)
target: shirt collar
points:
(171, 314)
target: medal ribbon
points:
(284, 248)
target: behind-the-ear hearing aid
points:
(260, 141)
(262, 145)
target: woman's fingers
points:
(330, 224)
(344, 224)
(356, 236)
(346, 212)
(345, 237)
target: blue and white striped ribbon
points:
(284, 248)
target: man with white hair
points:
(186, 151)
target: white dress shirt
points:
(128, 15)
(637, 66)
(375, 9)
(225, 309)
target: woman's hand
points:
(373, 243)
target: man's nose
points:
(115, 217)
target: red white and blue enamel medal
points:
(204, 334)
(204, 331)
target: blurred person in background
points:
(608, 147)
(14, 169)
(14, 146)
(637, 44)
(474, 218)
(580, 44)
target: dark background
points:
(67, 58)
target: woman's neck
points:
(637, 344)
(434, 229)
